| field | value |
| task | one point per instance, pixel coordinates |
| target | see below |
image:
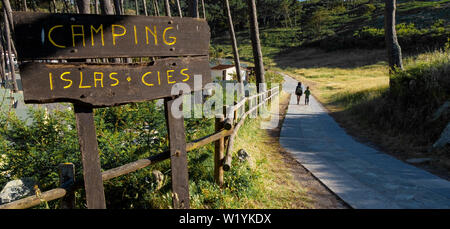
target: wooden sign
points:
(101, 85)
(182, 42)
(74, 36)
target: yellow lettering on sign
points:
(78, 34)
(159, 78)
(174, 39)
(143, 79)
(51, 83)
(81, 82)
(117, 81)
(114, 34)
(169, 76)
(98, 79)
(135, 35)
(50, 36)
(184, 74)
(67, 80)
(147, 29)
(99, 29)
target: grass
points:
(396, 119)
(263, 181)
(277, 186)
(339, 79)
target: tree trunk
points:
(84, 6)
(193, 8)
(54, 6)
(256, 44)
(7, 6)
(394, 51)
(144, 3)
(96, 6)
(2, 63)
(155, 3)
(233, 40)
(136, 4)
(25, 7)
(179, 8)
(106, 7)
(119, 10)
(167, 7)
(8, 44)
(203, 8)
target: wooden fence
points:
(226, 130)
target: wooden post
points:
(219, 147)
(178, 155)
(66, 181)
(87, 137)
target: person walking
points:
(307, 93)
(299, 92)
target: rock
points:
(159, 178)
(444, 139)
(243, 155)
(17, 189)
(441, 110)
(418, 160)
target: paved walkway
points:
(360, 175)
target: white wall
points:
(217, 74)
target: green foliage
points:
(35, 147)
(414, 95)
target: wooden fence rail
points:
(230, 132)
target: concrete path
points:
(360, 175)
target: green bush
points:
(413, 97)
(35, 147)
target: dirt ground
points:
(322, 196)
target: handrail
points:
(57, 193)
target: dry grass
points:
(342, 78)
(281, 189)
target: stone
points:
(17, 189)
(243, 155)
(158, 176)
(418, 160)
(444, 139)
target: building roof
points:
(222, 67)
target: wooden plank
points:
(93, 183)
(178, 155)
(219, 147)
(66, 181)
(73, 36)
(101, 85)
(32, 201)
